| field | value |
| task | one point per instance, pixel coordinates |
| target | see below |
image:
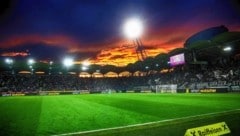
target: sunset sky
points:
(92, 29)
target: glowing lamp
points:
(84, 68)
(9, 61)
(86, 63)
(133, 28)
(31, 61)
(228, 48)
(68, 62)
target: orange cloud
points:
(155, 41)
(14, 54)
(123, 52)
(122, 55)
(116, 52)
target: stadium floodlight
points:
(31, 61)
(84, 68)
(86, 63)
(133, 28)
(9, 61)
(68, 62)
(228, 48)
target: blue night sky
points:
(92, 29)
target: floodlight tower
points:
(133, 29)
(50, 67)
(30, 63)
(9, 62)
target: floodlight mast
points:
(133, 29)
(141, 53)
(30, 63)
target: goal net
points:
(172, 88)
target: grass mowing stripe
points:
(72, 113)
(151, 124)
(19, 115)
(163, 106)
(100, 110)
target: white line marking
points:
(143, 124)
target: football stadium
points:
(190, 90)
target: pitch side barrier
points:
(64, 92)
(222, 89)
(219, 89)
(173, 88)
(213, 87)
(5, 94)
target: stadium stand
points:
(194, 79)
(220, 72)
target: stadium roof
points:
(205, 35)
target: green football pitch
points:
(64, 114)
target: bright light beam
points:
(228, 48)
(68, 62)
(133, 28)
(86, 63)
(31, 61)
(84, 68)
(9, 61)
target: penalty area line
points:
(143, 124)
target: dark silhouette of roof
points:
(206, 34)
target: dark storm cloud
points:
(46, 52)
(38, 51)
(84, 55)
(149, 47)
(174, 40)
